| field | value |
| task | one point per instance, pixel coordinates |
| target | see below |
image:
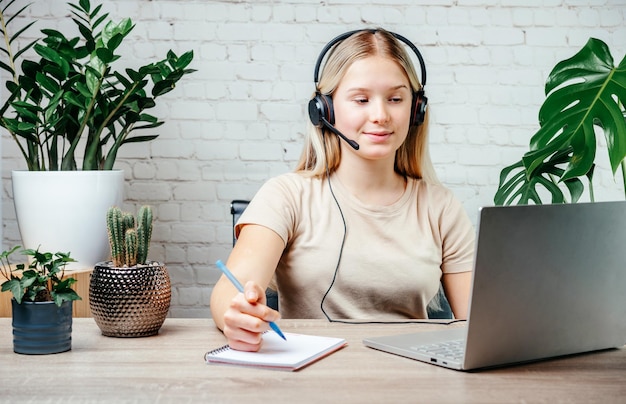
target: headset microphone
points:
(351, 142)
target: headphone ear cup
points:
(418, 110)
(321, 106)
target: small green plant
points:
(129, 242)
(42, 280)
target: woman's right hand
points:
(247, 318)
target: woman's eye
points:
(395, 99)
(360, 100)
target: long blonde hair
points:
(412, 158)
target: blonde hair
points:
(412, 158)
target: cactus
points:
(144, 232)
(115, 229)
(129, 244)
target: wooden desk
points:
(80, 307)
(170, 367)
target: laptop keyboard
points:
(452, 350)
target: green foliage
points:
(72, 93)
(129, 243)
(41, 281)
(584, 93)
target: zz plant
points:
(585, 94)
(70, 95)
(129, 239)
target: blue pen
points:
(239, 287)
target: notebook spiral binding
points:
(217, 351)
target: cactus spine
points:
(129, 244)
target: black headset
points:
(321, 110)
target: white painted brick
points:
(191, 233)
(260, 151)
(226, 150)
(546, 37)
(143, 171)
(503, 36)
(208, 276)
(191, 297)
(275, 111)
(192, 192)
(238, 111)
(193, 211)
(168, 212)
(172, 149)
(466, 36)
(175, 254)
(149, 191)
(261, 13)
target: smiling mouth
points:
(378, 134)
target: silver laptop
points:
(548, 281)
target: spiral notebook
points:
(298, 351)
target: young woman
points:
(362, 229)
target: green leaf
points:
(114, 42)
(24, 49)
(518, 186)
(137, 139)
(83, 90)
(73, 99)
(47, 83)
(105, 55)
(184, 60)
(54, 57)
(7, 68)
(85, 5)
(85, 31)
(162, 87)
(15, 287)
(584, 92)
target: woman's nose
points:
(379, 112)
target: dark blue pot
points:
(41, 327)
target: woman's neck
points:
(373, 183)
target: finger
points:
(254, 293)
(243, 340)
(256, 309)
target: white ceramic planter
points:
(66, 211)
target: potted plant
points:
(42, 301)
(586, 94)
(69, 109)
(129, 296)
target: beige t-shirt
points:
(392, 259)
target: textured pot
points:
(129, 302)
(66, 211)
(41, 327)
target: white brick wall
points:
(239, 120)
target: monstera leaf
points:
(515, 185)
(584, 92)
